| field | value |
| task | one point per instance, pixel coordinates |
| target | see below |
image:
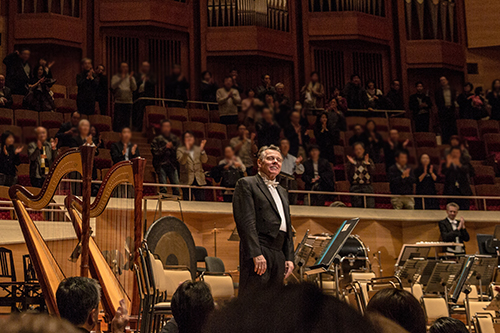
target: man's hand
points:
(202, 145)
(252, 136)
(134, 148)
(406, 173)
(351, 160)
(169, 145)
(39, 144)
(18, 150)
(288, 268)
(121, 318)
(124, 150)
(407, 141)
(89, 139)
(298, 160)
(367, 159)
(461, 225)
(131, 75)
(53, 143)
(260, 264)
(51, 64)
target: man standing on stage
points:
(262, 216)
(453, 230)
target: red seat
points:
(382, 188)
(340, 161)
(492, 143)
(352, 121)
(401, 124)
(487, 190)
(109, 137)
(425, 139)
(51, 119)
(17, 102)
(29, 134)
(16, 130)
(379, 175)
(176, 127)
(403, 136)
(180, 114)
(199, 115)
(211, 162)
(26, 118)
(381, 124)
(6, 116)
(434, 155)
(484, 175)
(196, 127)
(343, 186)
(216, 131)
(65, 105)
(154, 116)
(101, 123)
(467, 129)
(213, 147)
(488, 126)
(103, 160)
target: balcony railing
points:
(272, 14)
(372, 7)
(61, 7)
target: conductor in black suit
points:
(262, 216)
(452, 230)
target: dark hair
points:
(314, 72)
(493, 84)
(228, 77)
(205, 73)
(186, 133)
(448, 325)
(399, 306)
(269, 93)
(4, 138)
(192, 303)
(370, 121)
(248, 91)
(296, 308)
(354, 75)
(35, 71)
(76, 298)
(455, 148)
(124, 128)
(478, 91)
(418, 82)
(358, 143)
(312, 147)
(370, 81)
(458, 138)
(470, 85)
(401, 152)
(163, 121)
(263, 76)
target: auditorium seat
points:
(196, 127)
(488, 126)
(401, 124)
(101, 123)
(109, 137)
(199, 115)
(214, 116)
(403, 136)
(154, 115)
(210, 163)
(26, 118)
(23, 175)
(484, 175)
(65, 105)
(352, 121)
(59, 91)
(492, 143)
(176, 128)
(379, 174)
(16, 130)
(425, 139)
(180, 114)
(216, 131)
(467, 129)
(51, 132)
(29, 134)
(412, 157)
(232, 131)
(103, 160)
(6, 116)
(343, 186)
(213, 147)
(72, 92)
(381, 124)
(51, 119)
(17, 101)
(487, 190)
(340, 160)
(382, 188)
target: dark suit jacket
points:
(326, 181)
(255, 213)
(149, 86)
(439, 98)
(457, 175)
(16, 78)
(87, 89)
(449, 235)
(398, 184)
(117, 149)
(6, 93)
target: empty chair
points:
(6, 117)
(221, 286)
(199, 115)
(51, 119)
(484, 323)
(59, 91)
(425, 139)
(401, 124)
(488, 126)
(51, 133)
(72, 92)
(214, 116)
(23, 174)
(101, 123)
(26, 118)
(467, 129)
(213, 147)
(216, 131)
(379, 174)
(232, 130)
(476, 307)
(362, 278)
(434, 308)
(8, 271)
(381, 124)
(210, 163)
(340, 161)
(109, 137)
(492, 143)
(197, 128)
(173, 278)
(180, 114)
(17, 101)
(214, 265)
(176, 127)
(65, 105)
(403, 136)
(484, 175)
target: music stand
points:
(427, 272)
(442, 277)
(483, 270)
(302, 254)
(495, 242)
(412, 271)
(410, 251)
(460, 285)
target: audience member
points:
(375, 96)
(39, 97)
(457, 176)
(493, 98)
(123, 85)
(268, 131)
(394, 97)
(290, 167)
(426, 183)
(82, 137)
(325, 138)
(313, 93)
(36, 323)
(269, 102)
(41, 154)
(373, 141)
(9, 159)
(208, 88)
(341, 101)
(164, 150)
(265, 87)
(96, 137)
(191, 158)
(358, 135)
(392, 146)
(244, 147)
(237, 85)
(124, 150)
(176, 86)
(399, 306)
(479, 103)
(87, 83)
(102, 89)
(448, 325)
(401, 179)
(445, 101)
(282, 106)
(68, 130)
(336, 121)
(421, 107)
(146, 88)
(355, 94)
(249, 108)
(18, 71)
(5, 94)
(228, 99)
(464, 101)
(318, 176)
(297, 135)
(229, 170)
(360, 169)
(46, 67)
(452, 230)
(456, 141)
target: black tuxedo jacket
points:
(256, 213)
(449, 235)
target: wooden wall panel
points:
(483, 26)
(488, 61)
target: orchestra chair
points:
(6, 117)
(221, 286)
(416, 290)
(11, 289)
(378, 283)
(434, 307)
(214, 265)
(143, 276)
(32, 290)
(142, 296)
(483, 323)
(361, 279)
(201, 254)
(492, 290)
(475, 307)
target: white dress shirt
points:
(456, 249)
(277, 200)
(289, 167)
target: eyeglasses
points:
(272, 159)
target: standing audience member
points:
(373, 141)
(401, 179)
(448, 325)
(426, 183)
(457, 176)
(68, 130)
(493, 98)
(355, 94)
(164, 150)
(479, 105)
(228, 99)
(445, 101)
(360, 169)
(456, 141)
(282, 105)
(102, 89)
(336, 121)
(176, 87)
(297, 136)
(453, 231)
(358, 135)
(290, 166)
(124, 150)
(375, 95)
(41, 154)
(39, 96)
(123, 85)
(9, 159)
(464, 101)
(146, 88)
(229, 170)
(191, 158)
(5, 94)
(265, 87)
(318, 176)
(420, 106)
(313, 93)
(18, 71)
(395, 96)
(96, 137)
(237, 85)
(341, 101)
(244, 147)
(87, 83)
(46, 66)
(325, 138)
(268, 131)
(208, 87)
(269, 102)
(249, 108)
(392, 146)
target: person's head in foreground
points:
(192, 303)
(293, 308)
(399, 306)
(36, 323)
(448, 325)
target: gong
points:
(170, 239)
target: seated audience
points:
(373, 141)
(282, 106)
(318, 176)
(464, 101)
(452, 230)
(68, 130)
(457, 176)
(123, 85)
(268, 130)
(191, 158)
(146, 88)
(421, 107)
(244, 147)
(399, 306)
(297, 135)
(36, 323)
(228, 99)
(164, 150)
(392, 146)
(87, 83)
(448, 325)
(124, 150)
(78, 302)
(493, 98)
(401, 179)
(39, 96)
(41, 154)
(176, 86)
(208, 87)
(426, 183)
(394, 97)
(358, 135)
(325, 139)
(229, 170)
(5, 94)
(96, 137)
(192, 304)
(265, 87)
(290, 166)
(18, 71)
(9, 159)
(375, 96)
(355, 94)
(360, 169)
(313, 93)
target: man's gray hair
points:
(452, 204)
(261, 155)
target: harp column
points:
(87, 155)
(138, 165)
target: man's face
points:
(228, 153)
(145, 67)
(84, 128)
(87, 65)
(126, 135)
(41, 134)
(269, 99)
(267, 80)
(75, 119)
(267, 115)
(25, 55)
(455, 154)
(420, 88)
(228, 83)
(270, 165)
(124, 68)
(333, 104)
(176, 71)
(358, 130)
(402, 159)
(165, 128)
(314, 78)
(99, 70)
(280, 90)
(295, 117)
(443, 80)
(2, 81)
(241, 130)
(396, 85)
(356, 80)
(285, 147)
(359, 151)
(394, 135)
(314, 154)
(452, 212)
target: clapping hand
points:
(131, 75)
(169, 145)
(252, 136)
(351, 160)
(367, 159)
(121, 318)
(461, 225)
(202, 145)
(18, 150)
(406, 173)
(298, 160)
(53, 143)
(133, 150)
(407, 141)
(89, 139)
(431, 169)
